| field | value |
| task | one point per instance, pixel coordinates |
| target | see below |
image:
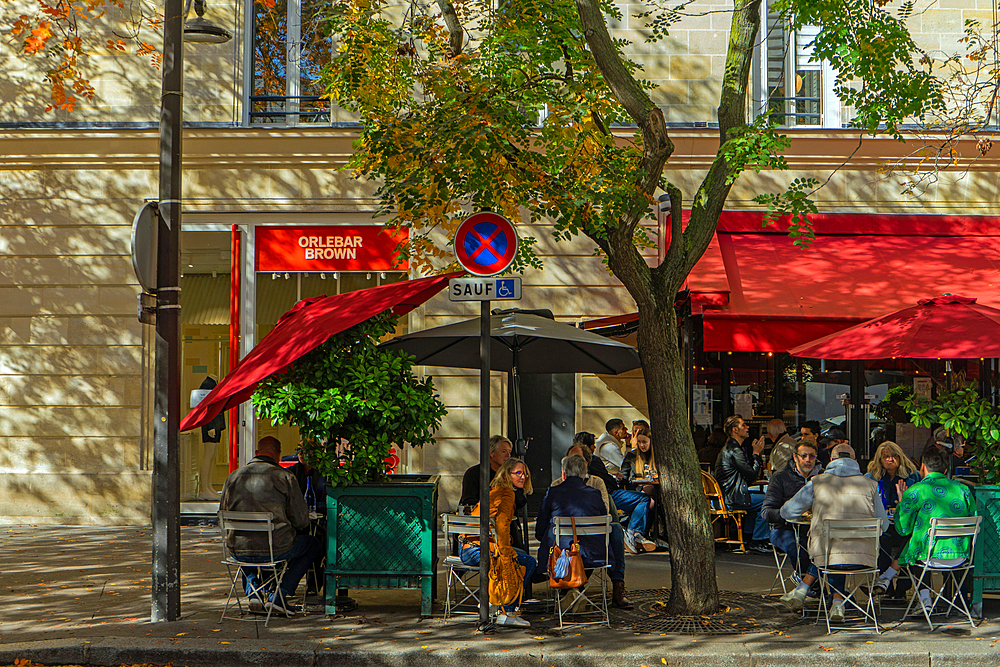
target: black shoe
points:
(760, 548)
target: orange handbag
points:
(568, 563)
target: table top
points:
(800, 520)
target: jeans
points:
(754, 526)
(304, 552)
(636, 505)
(470, 556)
(784, 539)
(837, 581)
(617, 543)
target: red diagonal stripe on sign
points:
(485, 242)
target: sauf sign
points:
(328, 248)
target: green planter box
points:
(382, 536)
(986, 578)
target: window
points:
(288, 51)
(797, 89)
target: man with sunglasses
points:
(783, 485)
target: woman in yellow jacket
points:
(513, 474)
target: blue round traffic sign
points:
(485, 244)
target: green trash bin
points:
(383, 536)
(986, 576)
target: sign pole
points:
(484, 464)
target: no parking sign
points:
(485, 244)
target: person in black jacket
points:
(785, 484)
(735, 474)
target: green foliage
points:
(348, 389)
(891, 407)
(962, 411)
(796, 203)
(880, 71)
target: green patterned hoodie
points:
(935, 496)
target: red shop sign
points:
(328, 248)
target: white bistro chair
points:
(462, 592)
(269, 572)
(851, 529)
(957, 528)
(585, 606)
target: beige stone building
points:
(75, 364)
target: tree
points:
(532, 110)
(64, 32)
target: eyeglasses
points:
(519, 473)
(806, 456)
(889, 456)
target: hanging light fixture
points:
(201, 30)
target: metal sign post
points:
(485, 245)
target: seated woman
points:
(894, 472)
(512, 475)
(639, 464)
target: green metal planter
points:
(383, 536)
(987, 558)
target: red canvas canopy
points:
(945, 327)
(309, 324)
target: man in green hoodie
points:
(935, 496)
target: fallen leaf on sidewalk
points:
(827, 648)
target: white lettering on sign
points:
(330, 247)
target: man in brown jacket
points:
(262, 485)
(841, 492)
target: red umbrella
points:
(309, 324)
(945, 327)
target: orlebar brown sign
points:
(329, 248)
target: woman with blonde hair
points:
(513, 474)
(894, 472)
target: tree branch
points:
(456, 32)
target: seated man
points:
(611, 446)
(842, 492)
(617, 538)
(573, 498)
(934, 496)
(782, 488)
(735, 474)
(782, 445)
(634, 504)
(264, 486)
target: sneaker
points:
(630, 544)
(760, 548)
(255, 600)
(796, 578)
(279, 605)
(837, 612)
(647, 544)
(794, 600)
(512, 621)
(881, 586)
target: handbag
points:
(566, 565)
(506, 584)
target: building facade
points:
(262, 152)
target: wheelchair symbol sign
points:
(505, 288)
(485, 289)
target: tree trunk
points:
(693, 588)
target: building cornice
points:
(328, 147)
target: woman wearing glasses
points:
(513, 474)
(894, 472)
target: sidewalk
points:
(80, 595)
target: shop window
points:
(288, 52)
(795, 87)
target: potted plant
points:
(352, 401)
(891, 408)
(964, 412)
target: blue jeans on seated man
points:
(636, 505)
(754, 527)
(837, 581)
(784, 539)
(305, 551)
(470, 556)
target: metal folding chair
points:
(269, 573)
(717, 509)
(583, 606)
(850, 529)
(957, 528)
(462, 591)
(780, 560)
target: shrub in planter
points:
(962, 411)
(352, 401)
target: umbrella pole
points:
(484, 466)
(521, 445)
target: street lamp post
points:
(165, 514)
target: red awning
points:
(781, 296)
(306, 326)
